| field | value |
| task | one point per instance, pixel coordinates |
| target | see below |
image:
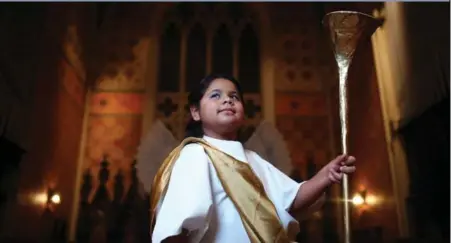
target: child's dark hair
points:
(194, 128)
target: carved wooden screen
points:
(197, 39)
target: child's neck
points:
(222, 136)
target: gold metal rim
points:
(346, 12)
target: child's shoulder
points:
(192, 149)
(256, 157)
(187, 153)
(250, 152)
(253, 154)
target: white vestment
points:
(195, 199)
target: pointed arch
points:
(169, 59)
(208, 41)
(222, 51)
(196, 56)
(249, 59)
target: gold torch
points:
(346, 29)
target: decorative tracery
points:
(202, 38)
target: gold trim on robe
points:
(244, 188)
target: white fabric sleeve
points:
(188, 199)
(286, 187)
(281, 189)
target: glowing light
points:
(371, 200)
(44, 199)
(358, 200)
(363, 198)
(56, 199)
(40, 198)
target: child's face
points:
(221, 109)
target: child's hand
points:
(313, 188)
(333, 172)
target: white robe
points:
(195, 199)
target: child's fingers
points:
(335, 176)
(340, 159)
(347, 169)
(350, 160)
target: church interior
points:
(82, 83)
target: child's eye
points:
(236, 97)
(215, 95)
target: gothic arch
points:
(255, 14)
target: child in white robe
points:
(195, 206)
